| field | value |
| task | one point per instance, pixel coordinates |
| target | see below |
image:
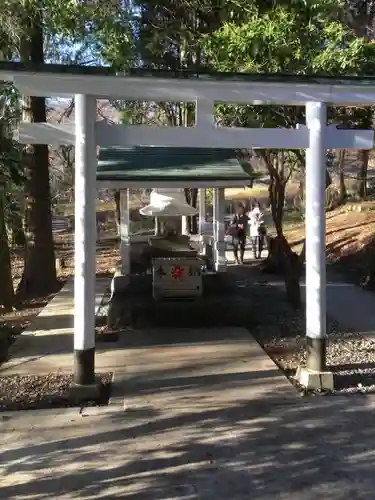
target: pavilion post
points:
(315, 374)
(157, 226)
(202, 209)
(184, 225)
(124, 231)
(219, 229)
(85, 241)
(202, 220)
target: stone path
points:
(195, 414)
(252, 447)
(349, 304)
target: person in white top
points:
(257, 231)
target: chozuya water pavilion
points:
(169, 171)
(89, 84)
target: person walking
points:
(257, 231)
(238, 230)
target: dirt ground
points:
(258, 192)
(14, 322)
(350, 232)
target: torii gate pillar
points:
(315, 374)
(85, 243)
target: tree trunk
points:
(281, 259)
(301, 188)
(191, 196)
(342, 187)
(6, 287)
(364, 155)
(368, 281)
(39, 250)
(17, 230)
(292, 274)
(118, 214)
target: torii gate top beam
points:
(203, 89)
(60, 80)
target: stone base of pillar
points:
(314, 380)
(120, 281)
(202, 245)
(220, 260)
(316, 354)
(79, 392)
(221, 265)
(85, 384)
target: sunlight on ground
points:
(347, 232)
(259, 192)
(233, 194)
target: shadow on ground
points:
(184, 434)
(262, 449)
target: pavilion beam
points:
(315, 375)
(85, 242)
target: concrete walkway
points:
(183, 401)
(195, 414)
(350, 305)
(253, 447)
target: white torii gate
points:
(91, 84)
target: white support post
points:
(85, 241)
(215, 215)
(202, 209)
(204, 113)
(184, 225)
(124, 232)
(202, 220)
(316, 119)
(219, 229)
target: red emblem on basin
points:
(177, 272)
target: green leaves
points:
(289, 39)
(75, 31)
(284, 40)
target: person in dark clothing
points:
(238, 230)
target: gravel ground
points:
(281, 332)
(34, 392)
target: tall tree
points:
(39, 250)
(67, 31)
(10, 179)
(298, 39)
(169, 36)
(359, 15)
